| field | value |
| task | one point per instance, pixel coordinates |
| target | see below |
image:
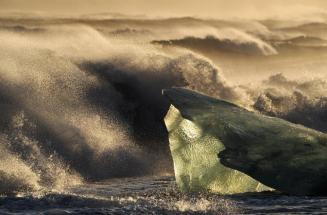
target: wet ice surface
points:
(156, 195)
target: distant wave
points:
(306, 39)
(302, 41)
(130, 31)
(21, 29)
(307, 26)
(212, 43)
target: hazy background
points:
(205, 8)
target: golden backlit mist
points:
(206, 8)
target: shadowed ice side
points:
(285, 156)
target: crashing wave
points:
(89, 112)
(302, 102)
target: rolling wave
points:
(224, 45)
(88, 112)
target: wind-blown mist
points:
(81, 98)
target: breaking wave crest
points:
(211, 43)
(224, 39)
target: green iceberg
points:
(220, 147)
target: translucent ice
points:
(196, 164)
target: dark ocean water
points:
(156, 195)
